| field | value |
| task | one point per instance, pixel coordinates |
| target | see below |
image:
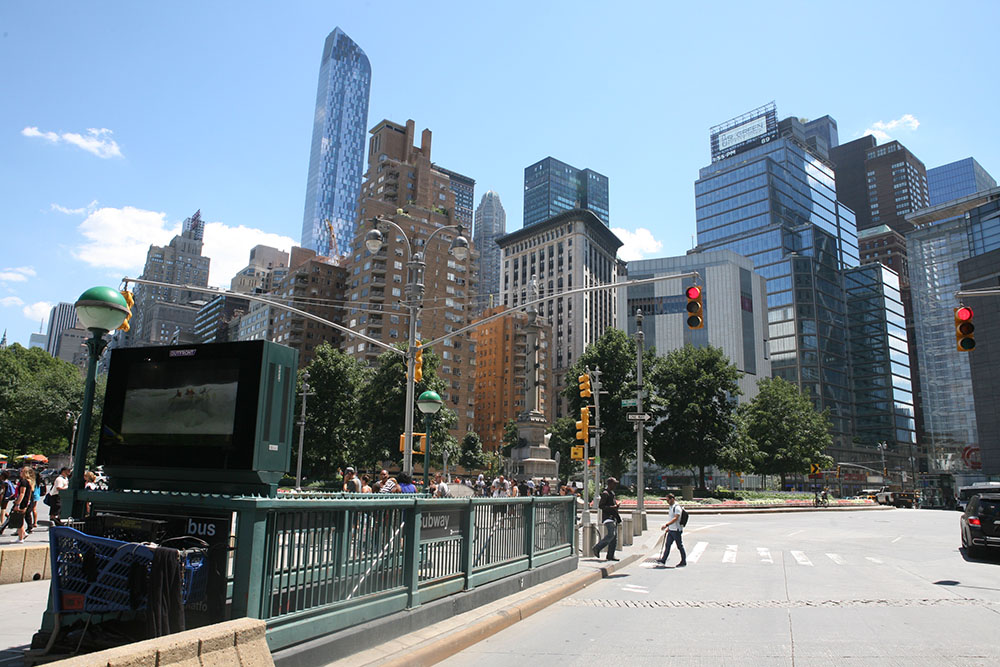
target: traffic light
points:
(695, 308)
(838, 472)
(129, 301)
(583, 426)
(584, 381)
(418, 365)
(419, 442)
(965, 339)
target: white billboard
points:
(744, 132)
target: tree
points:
(614, 352)
(696, 390)
(786, 429)
(335, 428)
(509, 440)
(472, 457)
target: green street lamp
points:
(100, 310)
(429, 403)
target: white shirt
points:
(59, 484)
(442, 490)
(675, 512)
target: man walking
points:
(674, 529)
(610, 519)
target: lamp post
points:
(100, 309)
(74, 419)
(302, 429)
(414, 292)
(429, 403)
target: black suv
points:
(981, 523)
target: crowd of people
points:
(481, 486)
(21, 491)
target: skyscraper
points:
(957, 179)
(491, 224)
(465, 195)
(61, 317)
(552, 187)
(770, 195)
(336, 160)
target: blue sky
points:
(120, 119)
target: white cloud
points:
(37, 311)
(96, 141)
(118, 238)
(881, 129)
(11, 301)
(89, 208)
(229, 248)
(637, 244)
(17, 274)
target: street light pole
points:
(75, 420)
(302, 430)
(429, 403)
(414, 291)
(640, 427)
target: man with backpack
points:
(676, 520)
(610, 518)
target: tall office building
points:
(61, 317)
(552, 187)
(218, 320)
(943, 237)
(573, 249)
(267, 265)
(401, 176)
(336, 159)
(491, 224)
(770, 195)
(464, 189)
(735, 301)
(957, 179)
(37, 340)
(164, 314)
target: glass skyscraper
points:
(552, 187)
(336, 160)
(770, 195)
(491, 224)
(957, 179)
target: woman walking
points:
(23, 499)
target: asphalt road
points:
(823, 588)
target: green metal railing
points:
(310, 565)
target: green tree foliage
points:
(786, 429)
(335, 427)
(696, 389)
(563, 432)
(472, 458)
(614, 353)
(36, 392)
(509, 439)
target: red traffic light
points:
(964, 314)
(693, 292)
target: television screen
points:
(195, 398)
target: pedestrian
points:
(674, 531)
(7, 490)
(546, 489)
(36, 496)
(54, 500)
(481, 486)
(387, 484)
(366, 486)
(610, 518)
(501, 487)
(90, 484)
(405, 483)
(440, 488)
(351, 482)
(21, 506)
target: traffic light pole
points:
(596, 374)
(640, 427)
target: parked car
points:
(981, 523)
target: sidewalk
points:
(441, 640)
(25, 604)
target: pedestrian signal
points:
(583, 426)
(965, 338)
(129, 301)
(695, 308)
(576, 452)
(419, 442)
(584, 381)
(418, 364)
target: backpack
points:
(8, 490)
(684, 517)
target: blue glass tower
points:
(770, 195)
(336, 160)
(957, 179)
(552, 187)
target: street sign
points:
(637, 416)
(629, 402)
(815, 468)
(576, 453)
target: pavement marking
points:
(730, 555)
(698, 550)
(801, 558)
(635, 589)
(777, 604)
(709, 525)
(897, 539)
(874, 560)
(796, 533)
(836, 559)
(765, 555)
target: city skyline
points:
(113, 142)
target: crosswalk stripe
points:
(730, 555)
(698, 550)
(836, 559)
(765, 555)
(801, 558)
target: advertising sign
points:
(748, 131)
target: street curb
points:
(477, 631)
(773, 510)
